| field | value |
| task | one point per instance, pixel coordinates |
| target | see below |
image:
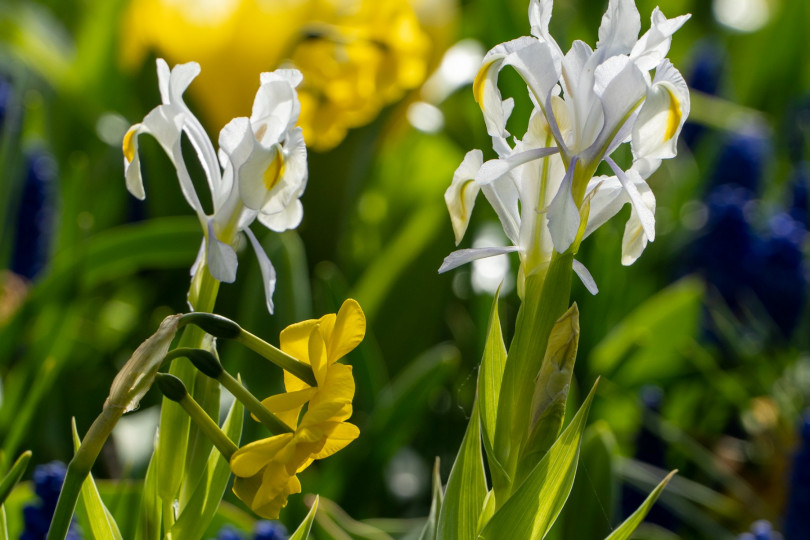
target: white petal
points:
(563, 214)
(503, 197)
(653, 46)
(635, 239)
(643, 211)
(200, 258)
(275, 111)
(221, 257)
(496, 110)
(180, 79)
(132, 162)
(619, 30)
(268, 272)
(463, 256)
(624, 89)
(292, 76)
(608, 199)
(539, 66)
(461, 194)
(497, 168)
(659, 123)
(539, 17)
(289, 218)
(585, 277)
(293, 180)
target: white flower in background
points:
(259, 173)
(587, 104)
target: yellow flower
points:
(265, 470)
(356, 55)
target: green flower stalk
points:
(127, 389)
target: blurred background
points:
(703, 345)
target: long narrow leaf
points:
(204, 502)
(302, 532)
(3, 524)
(466, 488)
(490, 377)
(149, 517)
(430, 530)
(13, 476)
(624, 530)
(102, 524)
(531, 510)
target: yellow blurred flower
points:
(356, 55)
(265, 470)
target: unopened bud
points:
(172, 387)
(216, 325)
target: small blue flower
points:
(800, 194)
(761, 530)
(48, 480)
(270, 530)
(35, 215)
(742, 158)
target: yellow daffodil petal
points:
(339, 438)
(317, 355)
(288, 406)
(338, 389)
(249, 459)
(294, 339)
(348, 332)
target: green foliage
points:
(101, 523)
(623, 531)
(534, 506)
(466, 488)
(302, 532)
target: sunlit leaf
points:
(624, 530)
(430, 530)
(490, 377)
(13, 475)
(466, 487)
(531, 510)
(102, 524)
(302, 532)
(204, 502)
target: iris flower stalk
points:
(586, 104)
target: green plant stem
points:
(211, 430)
(545, 301)
(268, 419)
(78, 469)
(278, 357)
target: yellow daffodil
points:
(265, 470)
(356, 56)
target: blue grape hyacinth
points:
(48, 480)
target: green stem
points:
(278, 357)
(78, 469)
(211, 430)
(268, 419)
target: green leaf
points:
(466, 488)
(531, 510)
(102, 524)
(150, 513)
(336, 522)
(545, 300)
(648, 344)
(204, 502)
(624, 530)
(302, 532)
(490, 377)
(551, 390)
(430, 530)
(589, 509)
(13, 476)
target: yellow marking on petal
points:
(128, 145)
(673, 116)
(274, 171)
(478, 84)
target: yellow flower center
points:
(128, 146)
(673, 116)
(274, 171)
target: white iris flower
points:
(587, 103)
(259, 173)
